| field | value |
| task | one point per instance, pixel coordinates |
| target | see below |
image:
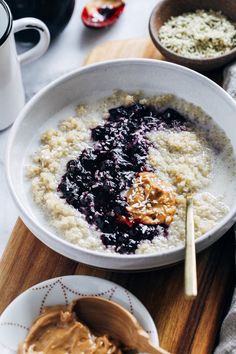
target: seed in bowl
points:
(199, 35)
(114, 177)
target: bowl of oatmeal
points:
(111, 154)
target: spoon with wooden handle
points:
(106, 317)
(190, 252)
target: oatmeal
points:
(85, 174)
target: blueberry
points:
(108, 239)
(94, 182)
(107, 165)
(88, 159)
(115, 114)
(170, 114)
(98, 133)
(71, 165)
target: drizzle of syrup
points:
(102, 14)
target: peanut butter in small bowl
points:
(58, 331)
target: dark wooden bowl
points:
(167, 8)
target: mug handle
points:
(41, 47)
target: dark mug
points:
(54, 13)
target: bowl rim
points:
(34, 222)
(154, 33)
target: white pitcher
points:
(12, 96)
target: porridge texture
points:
(167, 143)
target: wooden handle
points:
(151, 349)
(190, 252)
(143, 344)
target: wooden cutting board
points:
(184, 326)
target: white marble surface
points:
(67, 53)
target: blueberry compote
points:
(95, 182)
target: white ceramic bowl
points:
(89, 84)
(20, 314)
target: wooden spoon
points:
(102, 13)
(190, 252)
(106, 317)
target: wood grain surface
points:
(184, 326)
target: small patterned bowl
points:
(19, 315)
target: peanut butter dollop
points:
(151, 200)
(57, 331)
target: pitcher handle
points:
(41, 47)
